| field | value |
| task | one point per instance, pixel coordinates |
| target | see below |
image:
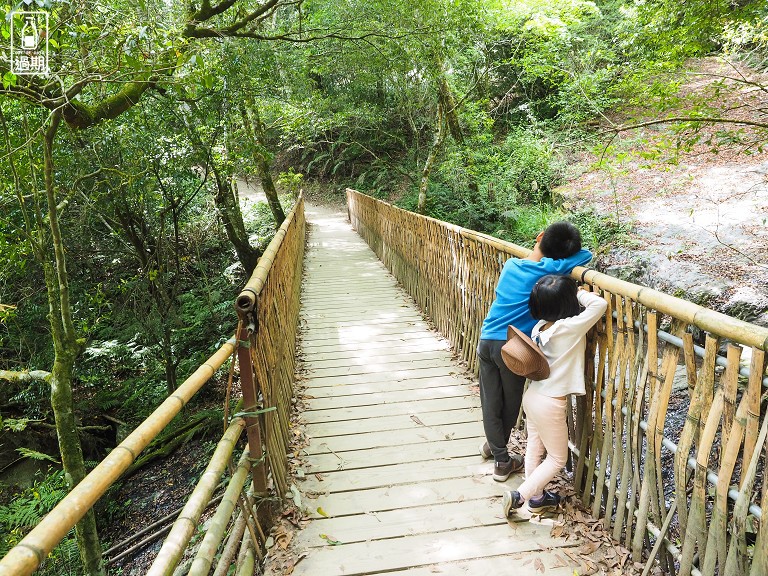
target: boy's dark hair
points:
(554, 298)
(560, 240)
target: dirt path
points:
(699, 219)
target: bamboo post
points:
(648, 486)
(730, 383)
(617, 461)
(629, 432)
(693, 423)
(250, 405)
(612, 383)
(636, 444)
(201, 566)
(714, 554)
(694, 536)
(754, 387)
(736, 563)
(760, 558)
(173, 548)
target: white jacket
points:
(564, 344)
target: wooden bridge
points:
(394, 428)
(384, 455)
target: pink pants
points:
(547, 431)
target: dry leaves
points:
(597, 552)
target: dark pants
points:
(501, 393)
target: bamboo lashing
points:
(622, 437)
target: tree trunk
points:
(450, 109)
(225, 198)
(430, 161)
(232, 218)
(66, 348)
(256, 130)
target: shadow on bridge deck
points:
(393, 476)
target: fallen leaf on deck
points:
(560, 562)
(539, 565)
(322, 512)
(588, 548)
(330, 540)
(416, 419)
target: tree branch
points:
(700, 119)
(24, 376)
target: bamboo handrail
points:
(27, 555)
(246, 301)
(700, 316)
(620, 432)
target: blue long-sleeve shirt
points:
(514, 288)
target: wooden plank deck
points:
(393, 478)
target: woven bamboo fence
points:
(268, 308)
(265, 348)
(669, 443)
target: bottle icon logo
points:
(29, 43)
(29, 35)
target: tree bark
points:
(232, 218)
(256, 131)
(450, 109)
(431, 158)
(66, 349)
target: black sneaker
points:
(548, 502)
(511, 501)
(485, 451)
(502, 470)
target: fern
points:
(35, 455)
(25, 511)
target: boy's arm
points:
(566, 265)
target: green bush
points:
(23, 510)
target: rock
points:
(747, 304)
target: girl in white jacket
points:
(565, 315)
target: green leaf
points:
(330, 540)
(9, 79)
(15, 425)
(35, 455)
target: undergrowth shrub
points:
(21, 511)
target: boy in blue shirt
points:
(557, 251)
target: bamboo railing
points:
(670, 440)
(265, 347)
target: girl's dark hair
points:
(554, 298)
